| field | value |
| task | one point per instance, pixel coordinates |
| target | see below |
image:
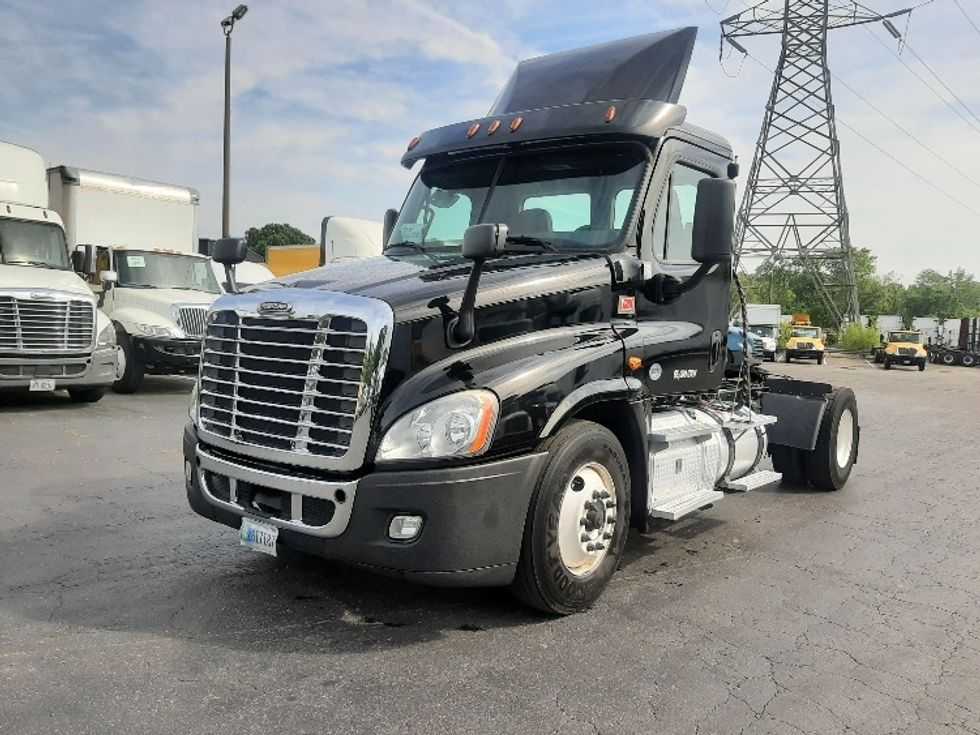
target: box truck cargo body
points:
(151, 282)
(52, 336)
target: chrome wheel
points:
(845, 438)
(587, 519)
(120, 362)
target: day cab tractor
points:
(904, 347)
(534, 366)
(806, 342)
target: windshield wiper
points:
(536, 242)
(137, 285)
(413, 246)
(40, 263)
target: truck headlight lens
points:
(155, 330)
(457, 425)
(106, 339)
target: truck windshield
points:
(810, 332)
(38, 244)
(913, 337)
(573, 199)
(152, 269)
(763, 331)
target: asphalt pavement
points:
(778, 611)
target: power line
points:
(888, 155)
(921, 144)
(968, 18)
(926, 84)
(945, 86)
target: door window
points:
(674, 223)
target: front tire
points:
(86, 395)
(830, 462)
(129, 370)
(922, 365)
(822, 358)
(577, 521)
(888, 364)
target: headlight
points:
(106, 339)
(195, 395)
(154, 330)
(458, 425)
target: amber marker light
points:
(516, 123)
(486, 427)
(414, 142)
(494, 127)
(474, 129)
(634, 363)
(610, 113)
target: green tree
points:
(260, 238)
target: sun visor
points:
(649, 67)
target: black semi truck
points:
(535, 365)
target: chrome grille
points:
(192, 319)
(30, 325)
(283, 384)
(804, 345)
(907, 350)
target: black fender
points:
(539, 379)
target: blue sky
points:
(328, 93)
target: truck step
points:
(757, 420)
(753, 481)
(666, 436)
(680, 507)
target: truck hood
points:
(25, 276)
(411, 287)
(138, 304)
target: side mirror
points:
(391, 216)
(88, 260)
(229, 251)
(108, 278)
(484, 241)
(714, 222)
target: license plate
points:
(259, 536)
(42, 384)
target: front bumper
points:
(168, 356)
(905, 359)
(75, 371)
(473, 516)
(804, 354)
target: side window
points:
(568, 211)
(674, 222)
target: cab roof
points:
(618, 90)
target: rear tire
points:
(787, 358)
(821, 359)
(829, 464)
(788, 461)
(129, 370)
(555, 572)
(968, 360)
(948, 358)
(86, 395)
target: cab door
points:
(682, 343)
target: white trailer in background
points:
(152, 283)
(52, 336)
(349, 238)
(763, 320)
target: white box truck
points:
(151, 282)
(763, 320)
(52, 335)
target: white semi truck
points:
(52, 335)
(763, 320)
(151, 282)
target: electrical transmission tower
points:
(794, 208)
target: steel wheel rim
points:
(587, 519)
(120, 362)
(845, 438)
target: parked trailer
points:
(966, 351)
(506, 423)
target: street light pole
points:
(227, 26)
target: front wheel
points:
(829, 464)
(577, 522)
(86, 395)
(129, 370)
(822, 358)
(888, 365)
(922, 365)
(948, 358)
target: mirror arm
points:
(461, 329)
(665, 289)
(230, 278)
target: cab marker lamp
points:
(458, 425)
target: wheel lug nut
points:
(611, 519)
(603, 495)
(577, 484)
(582, 522)
(596, 495)
(599, 547)
(590, 547)
(586, 538)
